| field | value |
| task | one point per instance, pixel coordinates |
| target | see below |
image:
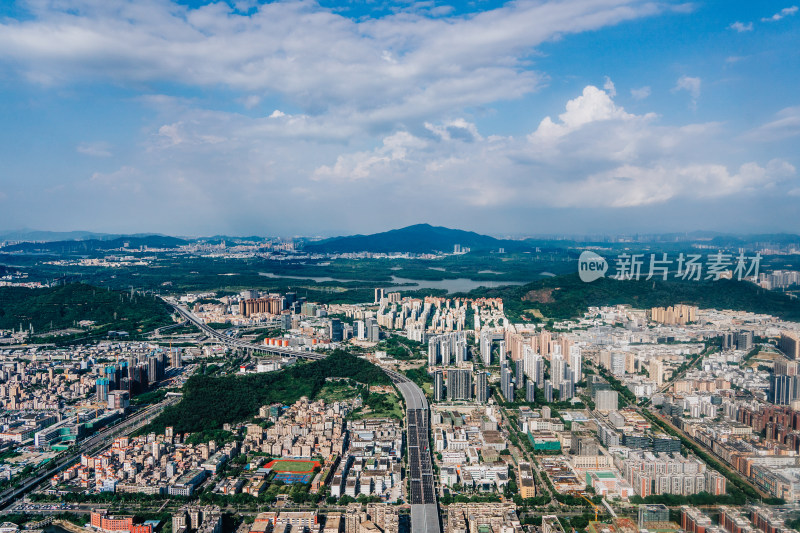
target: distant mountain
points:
(419, 238)
(92, 245)
(29, 235)
(230, 239)
(771, 238)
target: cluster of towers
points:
(135, 375)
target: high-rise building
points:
(783, 389)
(336, 332)
(519, 373)
(789, 344)
(373, 330)
(286, 319)
(481, 387)
(118, 399)
(656, 371)
(102, 389)
(741, 340)
(175, 358)
(506, 383)
(575, 363)
(459, 384)
(566, 390)
(486, 347)
(530, 392)
(538, 370)
(361, 331)
(378, 295)
(438, 386)
(374, 333)
(448, 349)
(617, 363)
(433, 352)
(606, 400)
(548, 391)
(557, 369)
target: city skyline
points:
(504, 117)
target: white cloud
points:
(95, 149)
(691, 85)
(785, 12)
(277, 114)
(251, 101)
(455, 129)
(363, 165)
(595, 155)
(383, 71)
(125, 180)
(630, 186)
(592, 106)
(785, 124)
(608, 86)
(741, 27)
(641, 93)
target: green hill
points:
(210, 401)
(563, 297)
(64, 306)
(419, 238)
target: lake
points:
(408, 284)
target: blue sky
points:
(575, 116)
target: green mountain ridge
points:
(419, 238)
(63, 306)
(92, 245)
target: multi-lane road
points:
(239, 343)
(424, 506)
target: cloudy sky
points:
(327, 117)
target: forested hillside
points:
(64, 306)
(567, 296)
(211, 401)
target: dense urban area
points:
(224, 385)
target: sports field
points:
(294, 466)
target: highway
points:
(238, 343)
(424, 506)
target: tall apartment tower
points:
(530, 392)
(459, 384)
(519, 372)
(438, 386)
(506, 383)
(481, 387)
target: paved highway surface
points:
(238, 343)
